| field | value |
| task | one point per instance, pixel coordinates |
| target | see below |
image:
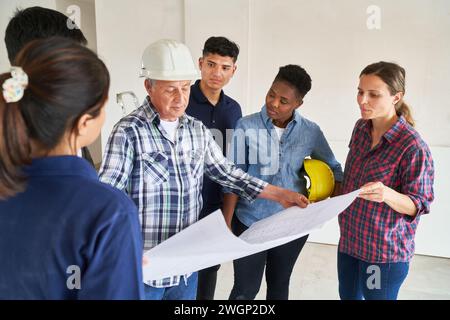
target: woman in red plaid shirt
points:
(393, 166)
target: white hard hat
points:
(168, 60)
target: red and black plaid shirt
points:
(373, 231)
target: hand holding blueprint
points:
(209, 241)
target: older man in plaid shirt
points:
(158, 155)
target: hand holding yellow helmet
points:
(321, 179)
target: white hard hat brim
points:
(169, 76)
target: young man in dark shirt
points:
(218, 112)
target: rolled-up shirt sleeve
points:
(417, 177)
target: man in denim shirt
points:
(272, 145)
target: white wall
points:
(87, 18)
(333, 43)
(87, 24)
(124, 29)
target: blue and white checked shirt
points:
(165, 179)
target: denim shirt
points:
(256, 149)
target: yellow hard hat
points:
(321, 179)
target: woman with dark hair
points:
(64, 234)
(393, 166)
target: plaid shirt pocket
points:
(196, 162)
(384, 173)
(155, 167)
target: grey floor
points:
(315, 277)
